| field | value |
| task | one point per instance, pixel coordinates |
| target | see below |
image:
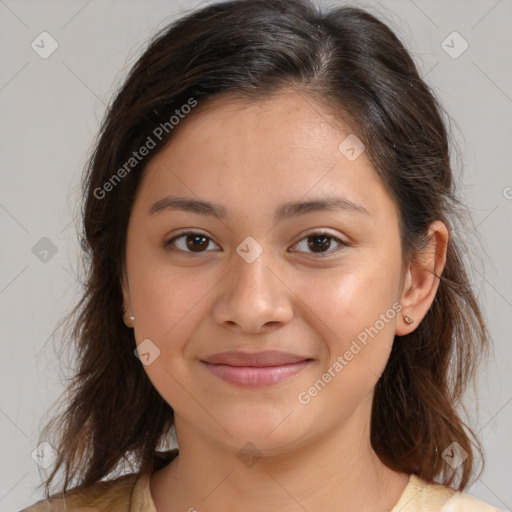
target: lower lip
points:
(256, 376)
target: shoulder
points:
(420, 495)
(113, 495)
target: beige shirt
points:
(131, 493)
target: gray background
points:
(50, 112)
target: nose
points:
(254, 297)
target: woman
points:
(275, 277)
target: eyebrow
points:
(284, 211)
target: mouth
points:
(257, 369)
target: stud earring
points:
(131, 317)
(407, 320)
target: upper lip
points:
(264, 358)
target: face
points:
(319, 284)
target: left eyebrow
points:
(284, 211)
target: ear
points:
(422, 278)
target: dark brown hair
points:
(352, 65)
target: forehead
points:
(286, 147)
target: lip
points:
(255, 369)
(259, 359)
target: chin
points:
(272, 431)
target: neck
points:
(338, 470)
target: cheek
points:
(347, 300)
(168, 300)
(355, 322)
(161, 292)
(169, 304)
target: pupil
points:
(192, 245)
(322, 245)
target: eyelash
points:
(168, 243)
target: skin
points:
(251, 157)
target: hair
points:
(355, 67)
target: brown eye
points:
(196, 242)
(319, 243)
(190, 242)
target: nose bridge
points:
(252, 275)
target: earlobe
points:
(405, 320)
(422, 279)
(128, 319)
